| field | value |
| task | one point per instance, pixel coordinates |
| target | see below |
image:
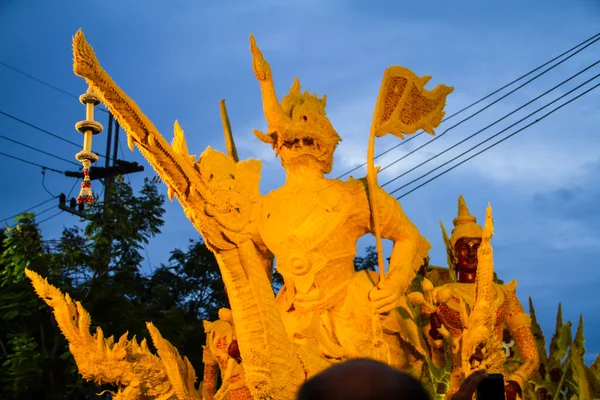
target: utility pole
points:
(106, 173)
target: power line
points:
(42, 82)
(43, 130)
(29, 209)
(478, 101)
(38, 150)
(38, 128)
(489, 126)
(42, 212)
(32, 163)
(44, 182)
(496, 143)
(45, 211)
(72, 187)
(486, 107)
(37, 80)
(50, 217)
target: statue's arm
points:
(410, 249)
(520, 326)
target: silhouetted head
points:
(362, 378)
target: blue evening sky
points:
(178, 59)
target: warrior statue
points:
(455, 300)
(325, 312)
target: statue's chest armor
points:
(450, 314)
(300, 223)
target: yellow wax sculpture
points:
(325, 312)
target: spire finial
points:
(463, 211)
(465, 225)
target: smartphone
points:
(491, 388)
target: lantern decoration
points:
(88, 128)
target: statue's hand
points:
(385, 295)
(261, 67)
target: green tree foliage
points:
(31, 347)
(182, 294)
(368, 262)
(99, 265)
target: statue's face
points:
(466, 253)
(308, 141)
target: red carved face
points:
(466, 254)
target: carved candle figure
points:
(312, 225)
(463, 247)
(221, 356)
(325, 312)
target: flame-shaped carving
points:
(138, 372)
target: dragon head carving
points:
(298, 128)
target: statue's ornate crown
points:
(465, 225)
(295, 98)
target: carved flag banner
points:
(405, 106)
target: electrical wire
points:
(43, 130)
(37, 80)
(494, 144)
(38, 150)
(488, 126)
(42, 82)
(44, 220)
(38, 128)
(40, 213)
(29, 209)
(50, 217)
(45, 211)
(32, 163)
(486, 107)
(72, 187)
(479, 101)
(44, 182)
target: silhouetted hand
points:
(469, 386)
(512, 388)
